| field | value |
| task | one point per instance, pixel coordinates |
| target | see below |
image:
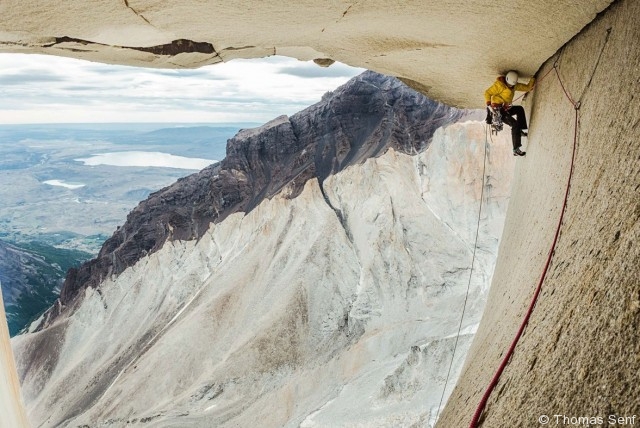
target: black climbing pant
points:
(517, 124)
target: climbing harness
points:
(496, 120)
(576, 105)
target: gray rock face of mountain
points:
(360, 120)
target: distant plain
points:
(49, 194)
(64, 189)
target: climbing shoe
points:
(524, 133)
(518, 152)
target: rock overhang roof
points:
(450, 50)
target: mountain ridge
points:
(262, 161)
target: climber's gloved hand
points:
(506, 106)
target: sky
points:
(49, 89)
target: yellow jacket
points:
(500, 93)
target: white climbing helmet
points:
(512, 78)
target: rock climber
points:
(499, 96)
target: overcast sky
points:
(48, 89)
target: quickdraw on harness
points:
(496, 120)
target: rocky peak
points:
(364, 118)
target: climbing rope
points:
(576, 106)
(534, 86)
(473, 259)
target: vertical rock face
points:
(578, 357)
(11, 405)
(325, 287)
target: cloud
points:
(312, 71)
(45, 89)
(198, 73)
(81, 88)
(28, 76)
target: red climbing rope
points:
(525, 321)
(534, 84)
(575, 104)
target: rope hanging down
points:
(473, 260)
(525, 321)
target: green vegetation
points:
(31, 275)
(64, 258)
